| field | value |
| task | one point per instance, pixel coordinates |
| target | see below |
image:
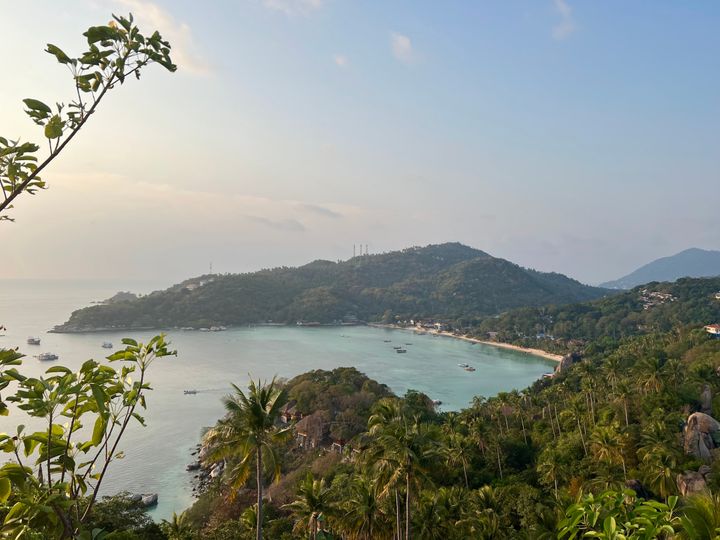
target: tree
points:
(115, 52)
(177, 528)
(248, 432)
(361, 515)
(313, 501)
(49, 488)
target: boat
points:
(107, 345)
(437, 402)
(46, 356)
(386, 341)
(189, 392)
(396, 347)
(408, 344)
(400, 350)
(464, 365)
(33, 341)
(469, 368)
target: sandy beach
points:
(534, 352)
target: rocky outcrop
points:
(706, 400)
(701, 435)
(692, 483)
(567, 361)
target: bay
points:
(208, 362)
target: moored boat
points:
(33, 341)
(46, 356)
(398, 350)
(107, 345)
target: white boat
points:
(107, 345)
(46, 356)
(464, 365)
(33, 341)
(400, 350)
(189, 392)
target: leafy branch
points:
(116, 51)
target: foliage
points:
(448, 281)
(53, 476)
(115, 52)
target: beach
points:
(501, 345)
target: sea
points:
(156, 456)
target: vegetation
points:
(448, 281)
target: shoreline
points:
(501, 345)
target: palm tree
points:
(659, 468)
(249, 432)
(313, 501)
(701, 517)
(607, 445)
(550, 468)
(362, 516)
(399, 450)
(178, 528)
(457, 445)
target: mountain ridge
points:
(692, 262)
(449, 281)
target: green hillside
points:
(448, 281)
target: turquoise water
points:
(156, 456)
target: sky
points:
(573, 136)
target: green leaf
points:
(58, 53)
(36, 105)
(5, 489)
(98, 431)
(54, 127)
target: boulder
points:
(690, 483)
(706, 400)
(638, 488)
(149, 499)
(701, 435)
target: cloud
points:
(402, 47)
(567, 25)
(151, 17)
(293, 7)
(321, 210)
(341, 60)
(291, 225)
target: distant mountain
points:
(449, 281)
(692, 262)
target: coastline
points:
(535, 352)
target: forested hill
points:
(447, 281)
(652, 308)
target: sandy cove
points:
(510, 346)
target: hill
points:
(692, 262)
(447, 281)
(651, 308)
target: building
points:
(713, 330)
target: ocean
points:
(156, 456)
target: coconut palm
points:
(362, 515)
(400, 449)
(313, 501)
(701, 517)
(178, 528)
(607, 444)
(249, 433)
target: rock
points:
(567, 361)
(136, 497)
(193, 466)
(149, 500)
(706, 400)
(690, 483)
(700, 435)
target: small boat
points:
(189, 392)
(46, 356)
(400, 350)
(469, 368)
(408, 344)
(464, 365)
(107, 345)
(396, 347)
(386, 341)
(437, 402)
(33, 341)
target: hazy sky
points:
(566, 135)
